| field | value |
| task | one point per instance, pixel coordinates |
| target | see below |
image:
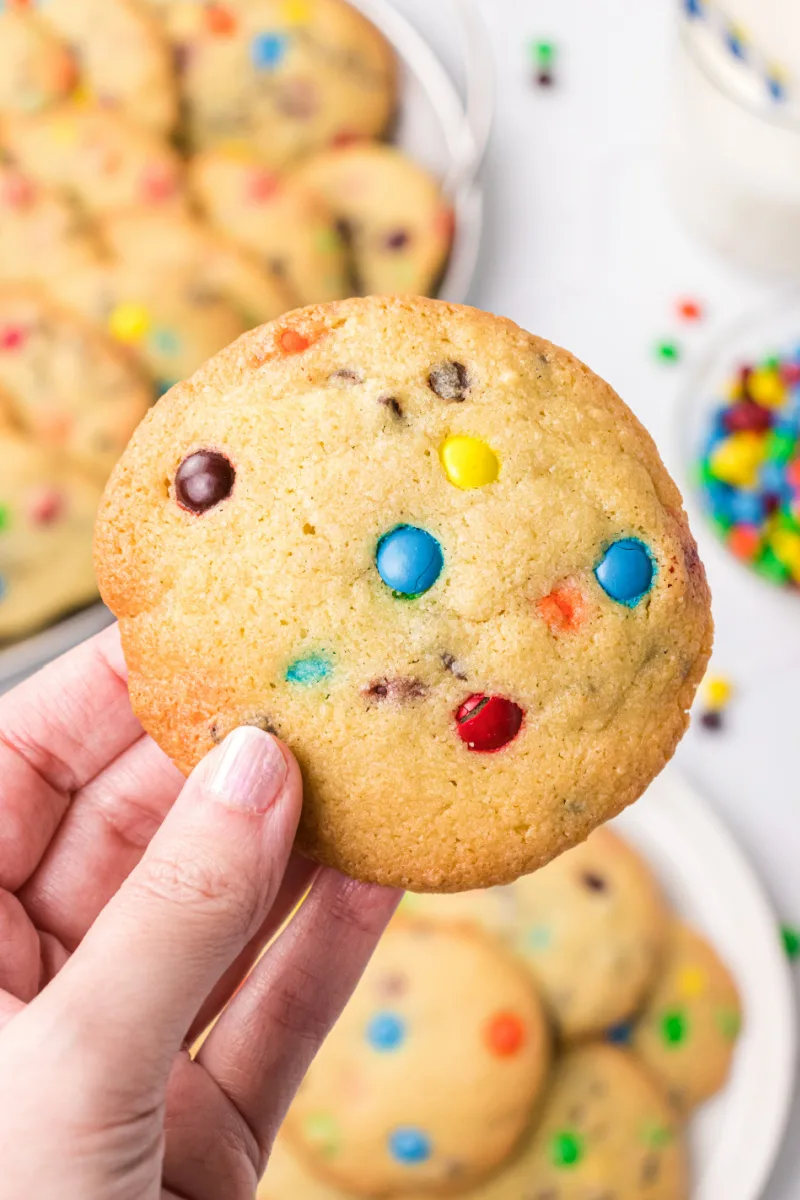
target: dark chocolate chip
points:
(297, 98)
(345, 377)
(595, 883)
(278, 267)
(451, 664)
(712, 720)
(395, 691)
(203, 480)
(344, 230)
(544, 79)
(651, 1168)
(397, 240)
(393, 404)
(449, 381)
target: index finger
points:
(57, 731)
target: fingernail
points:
(248, 771)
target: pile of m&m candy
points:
(750, 467)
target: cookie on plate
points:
(68, 385)
(284, 77)
(686, 1035)
(98, 157)
(42, 234)
(175, 244)
(432, 1072)
(592, 926)
(36, 67)
(439, 556)
(605, 1133)
(123, 59)
(277, 218)
(47, 511)
(391, 212)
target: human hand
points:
(120, 938)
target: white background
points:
(581, 247)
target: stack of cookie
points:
(172, 173)
(543, 1041)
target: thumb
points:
(199, 894)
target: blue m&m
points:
(267, 50)
(409, 560)
(386, 1031)
(626, 571)
(309, 670)
(409, 1145)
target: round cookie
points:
(283, 77)
(276, 218)
(268, 539)
(47, 511)
(176, 244)
(605, 1133)
(391, 212)
(686, 1035)
(591, 926)
(69, 386)
(431, 1074)
(36, 68)
(42, 234)
(98, 157)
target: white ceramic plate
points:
(737, 1135)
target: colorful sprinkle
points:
(668, 352)
(267, 50)
(543, 55)
(504, 1034)
(790, 936)
(309, 670)
(691, 982)
(626, 571)
(262, 185)
(165, 341)
(409, 560)
(219, 20)
(620, 1034)
(729, 1023)
(717, 691)
(410, 1146)
(291, 341)
(129, 322)
(386, 1031)
(468, 462)
(539, 938)
(566, 1148)
(488, 723)
(690, 310)
(45, 505)
(564, 609)
(5, 518)
(674, 1027)
(322, 1131)
(295, 12)
(12, 337)
(657, 1136)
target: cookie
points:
(42, 234)
(283, 77)
(686, 1035)
(605, 1133)
(100, 158)
(69, 386)
(439, 556)
(174, 244)
(111, 50)
(277, 218)
(36, 67)
(47, 511)
(431, 1074)
(592, 926)
(391, 212)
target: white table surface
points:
(581, 247)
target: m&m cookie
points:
(749, 469)
(605, 1132)
(431, 1074)
(591, 926)
(438, 556)
(687, 1033)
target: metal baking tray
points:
(442, 123)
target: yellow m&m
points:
(129, 322)
(468, 462)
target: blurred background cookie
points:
(36, 68)
(43, 234)
(687, 1032)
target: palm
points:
(82, 792)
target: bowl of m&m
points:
(743, 414)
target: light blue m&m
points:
(409, 560)
(386, 1031)
(626, 571)
(409, 1145)
(267, 50)
(309, 670)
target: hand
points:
(120, 937)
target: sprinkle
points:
(12, 337)
(410, 1146)
(713, 721)
(291, 341)
(322, 1131)
(657, 1136)
(620, 1035)
(386, 1031)
(219, 20)
(691, 982)
(668, 352)
(309, 670)
(674, 1027)
(564, 609)
(267, 50)
(729, 1023)
(468, 462)
(690, 310)
(504, 1034)
(5, 518)
(566, 1148)
(129, 322)
(717, 691)
(790, 935)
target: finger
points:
(102, 837)
(57, 730)
(265, 1040)
(202, 890)
(299, 876)
(20, 964)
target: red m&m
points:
(488, 723)
(504, 1034)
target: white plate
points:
(737, 1135)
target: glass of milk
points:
(734, 140)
